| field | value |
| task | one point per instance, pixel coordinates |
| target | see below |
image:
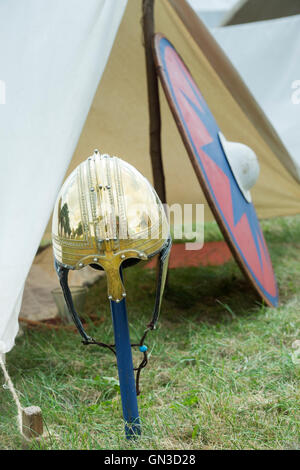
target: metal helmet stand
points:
(125, 369)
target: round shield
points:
(236, 216)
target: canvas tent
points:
(41, 128)
(247, 11)
(52, 57)
(269, 64)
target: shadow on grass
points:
(210, 294)
(203, 294)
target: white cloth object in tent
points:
(266, 54)
(52, 54)
(212, 12)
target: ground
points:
(223, 371)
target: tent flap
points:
(52, 57)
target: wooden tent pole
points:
(153, 102)
(154, 110)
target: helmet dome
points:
(243, 163)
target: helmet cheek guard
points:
(108, 215)
(115, 284)
(161, 281)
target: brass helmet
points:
(107, 215)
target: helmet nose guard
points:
(243, 163)
(107, 214)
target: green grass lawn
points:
(223, 373)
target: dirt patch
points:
(212, 254)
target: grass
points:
(223, 373)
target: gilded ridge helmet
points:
(107, 215)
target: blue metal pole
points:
(125, 368)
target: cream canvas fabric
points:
(274, 52)
(52, 56)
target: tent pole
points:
(154, 108)
(153, 102)
(125, 369)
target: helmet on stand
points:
(108, 216)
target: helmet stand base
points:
(125, 369)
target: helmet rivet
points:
(141, 255)
(65, 265)
(124, 294)
(117, 300)
(96, 259)
(110, 297)
(92, 189)
(107, 239)
(96, 151)
(81, 265)
(123, 256)
(100, 186)
(108, 186)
